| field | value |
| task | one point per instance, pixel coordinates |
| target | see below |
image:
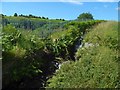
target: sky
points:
(73, 1)
(63, 9)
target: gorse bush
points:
(96, 65)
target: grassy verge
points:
(96, 66)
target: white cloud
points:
(29, 0)
(118, 8)
(72, 1)
(108, 0)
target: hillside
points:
(44, 25)
(34, 48)
(96, 64)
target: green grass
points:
(24, 52)
(105, 34)
(59, 34)
(33, 19)
(96, 66)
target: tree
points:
(39, 17)
(1, 15)
(85, 16)
(15, 15)
(63, 19)
(43, 17)
(30, 16)
(20, 15)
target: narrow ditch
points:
(78, 44)
(50, 67)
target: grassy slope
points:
(44, 27)
(17, 19)
(96, 67)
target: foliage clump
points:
(19, 54)
(85, 17)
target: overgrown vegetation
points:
(96, 65)
(18, 54)
(32, 45)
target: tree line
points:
(33, 16)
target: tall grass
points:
(96, 66)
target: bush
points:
(21, 55)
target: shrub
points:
(21, 55)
